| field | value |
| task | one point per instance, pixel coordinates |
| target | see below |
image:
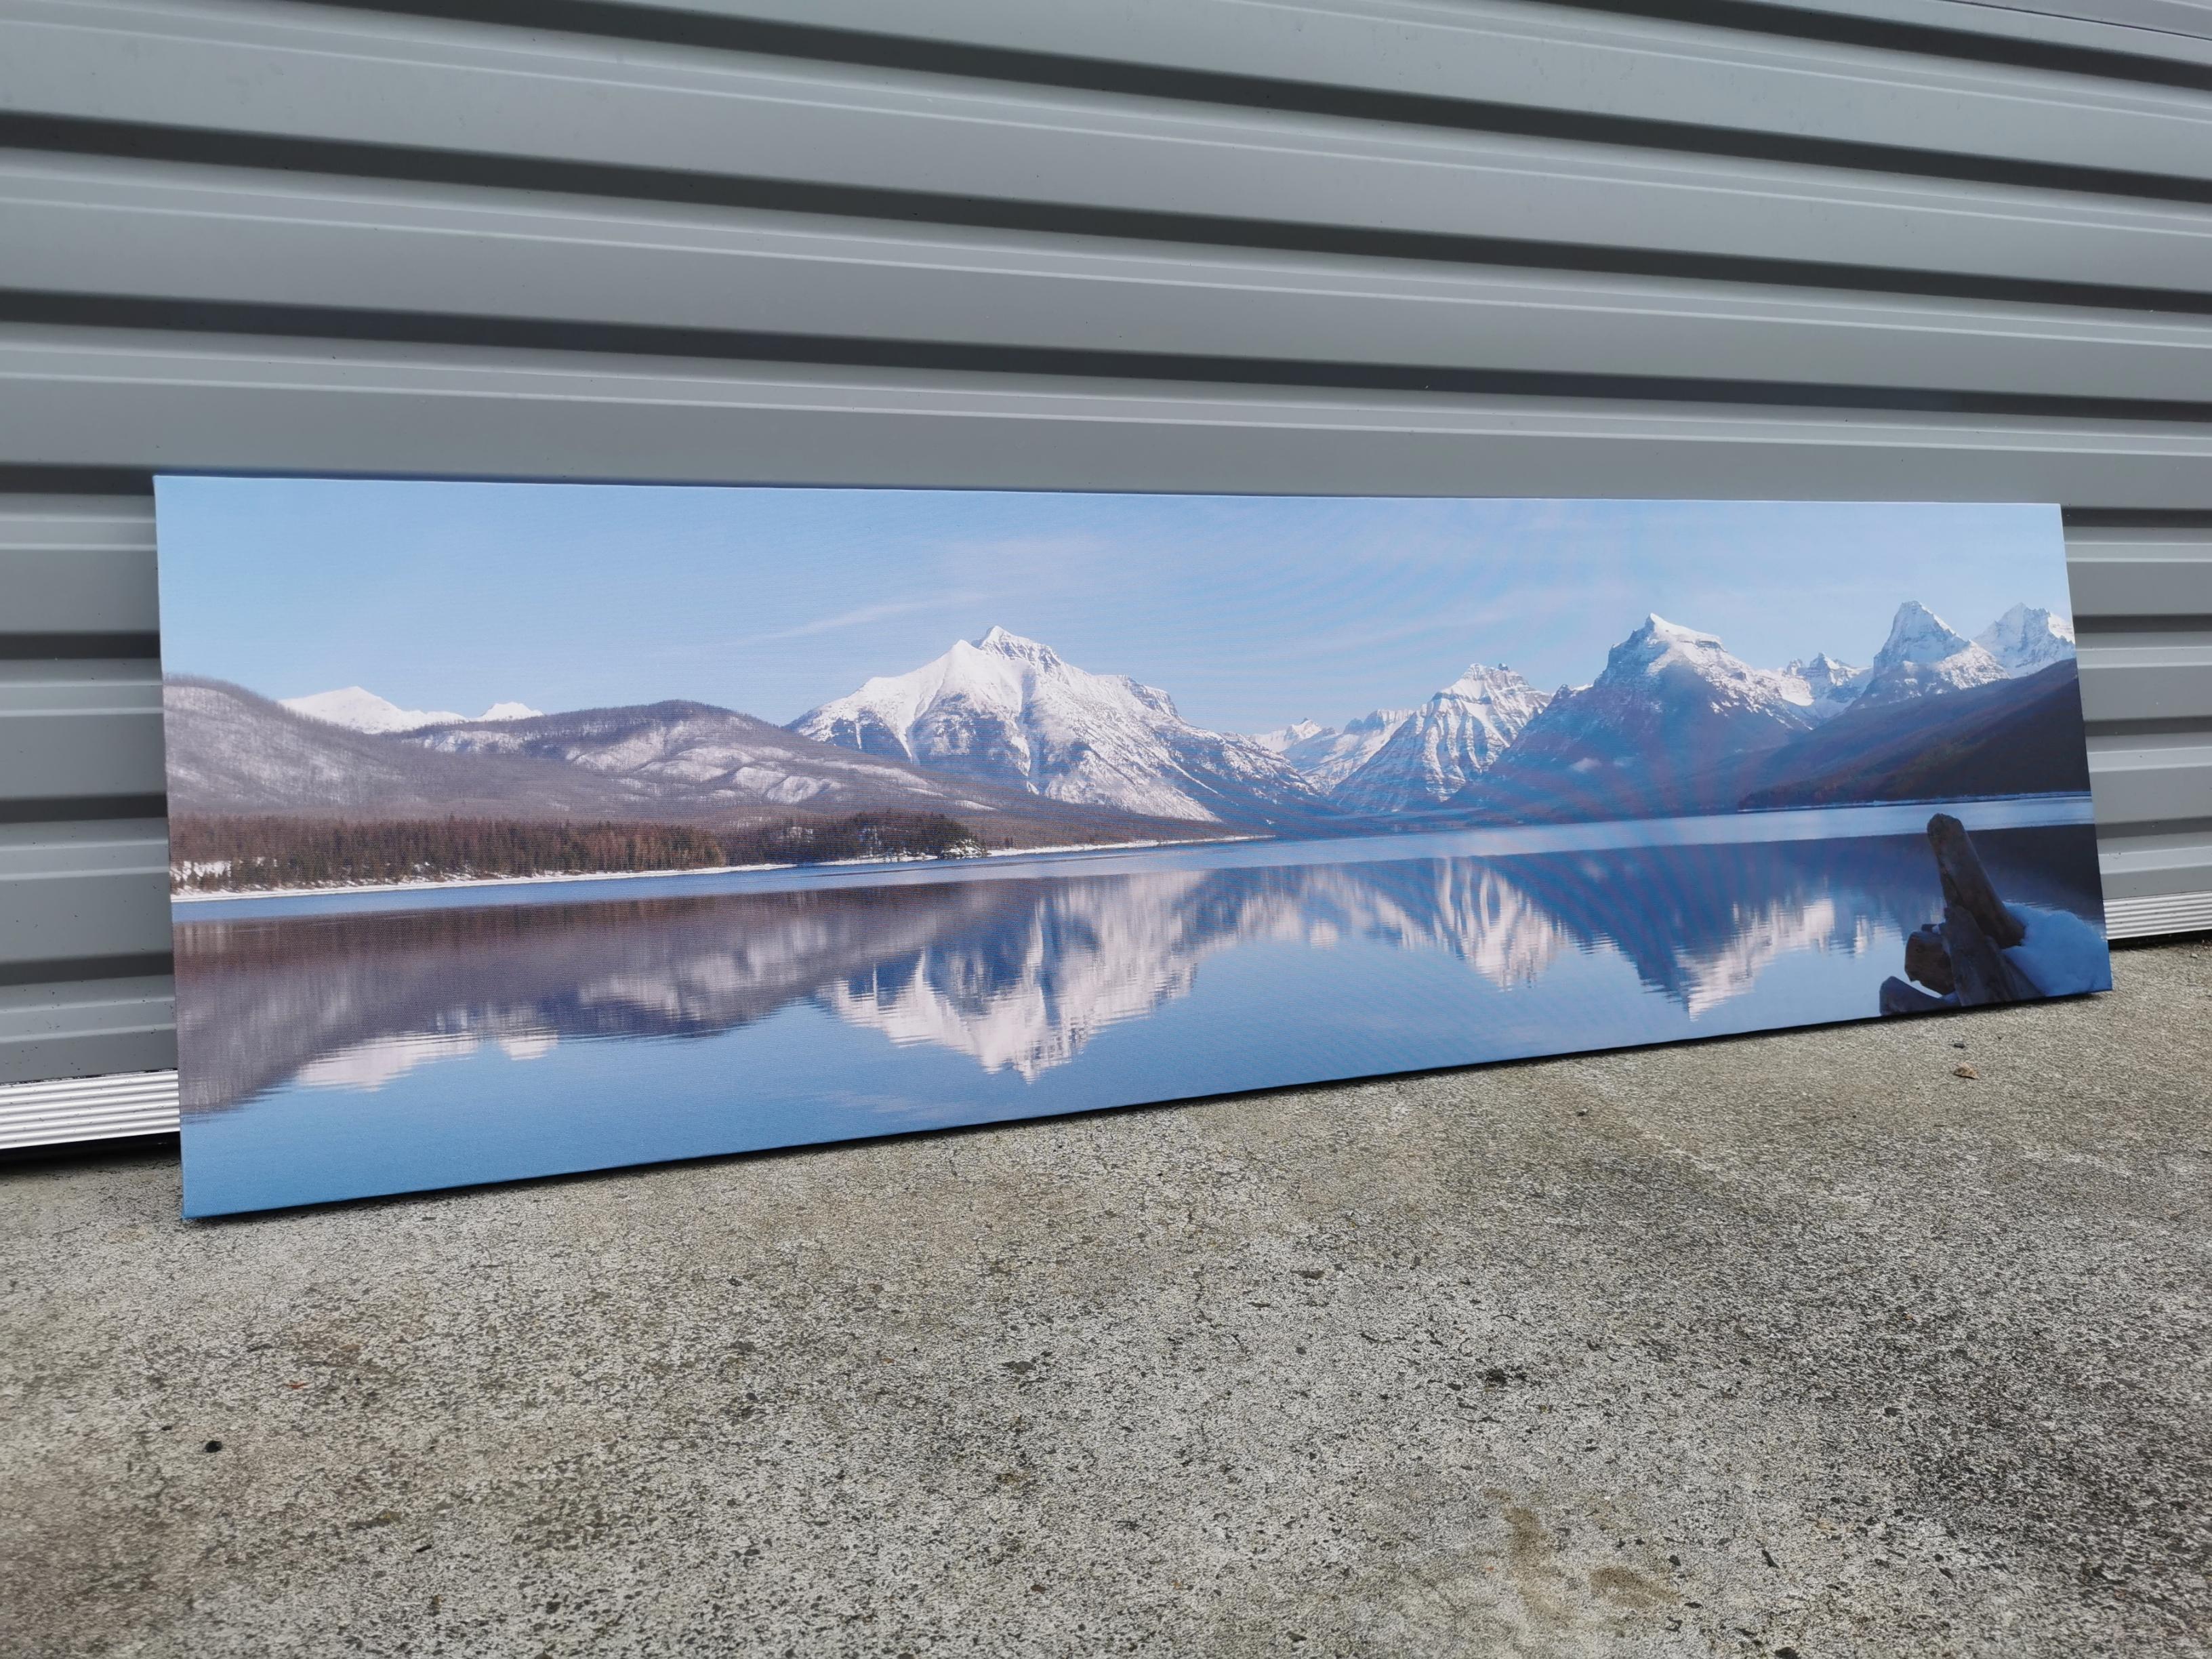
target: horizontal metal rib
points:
(2142, 572)
(2162, 779)
(2156, 863)
(2167, 677)
(74, 729)
(83, 892)
(282, 72)
(75, 567)
(2092, 36)
(126, 399)
(139, 1102)
(85, 225)
(2157, 913)
(1488, 59)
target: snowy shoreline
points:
(456, 882)
(1406, 841)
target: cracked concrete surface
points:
(1797, 1345)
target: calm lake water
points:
(341, 1045)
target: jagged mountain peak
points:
(1643, 735)
(1440, 747)
(1004, 642)
(1010, 711)
(1918, 634)
(1822, 670)
(1658, 651)
(1657, 647)
(1379, 720)
(1923, 654)
(1283, 739)
(2027, 638)
(1482, 680)
(1656, 626)
(1325, 755)
(1834, 685)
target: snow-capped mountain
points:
(1833, 685)
(2026, 638)
(1655, 732)
(231, 751)
(1924, 654)
(717, 757)
(1325, 755)
(1008, 711)
(1666, 682)
(1445, 745)
(2013, 736)
(361, 710)
(1285, 739)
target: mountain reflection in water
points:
(1022, 977)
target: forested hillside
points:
(254, 854)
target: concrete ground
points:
(1799, 1345)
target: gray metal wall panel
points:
(151, 231)
(2100, 27)
(1560, 62)
(2188, 17)
(2145, 780)
(2146, 680)
(142, 399)
(97, 889)
(76, 565)
(264, 70)
(2141, 572)
(71, 729)
(1901, 248)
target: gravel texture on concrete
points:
(1801, 1345)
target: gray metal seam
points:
(2111, 48)
(258, 70)
(1575, 63)
(76, 565)
(137, 228)
(151, 401)
(2168, 17)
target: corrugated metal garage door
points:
(1892, 248)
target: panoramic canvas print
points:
(518, 830)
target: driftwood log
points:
(1926, 960)
(1899, 998)
(1967, 885)
(1960, 959)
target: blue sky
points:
(1251, 610)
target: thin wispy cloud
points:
(862, 615)
(1489, 632)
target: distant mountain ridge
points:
(1002, 730)
(1010, 711)
(1677, 725)
(233, 752)
(1325, 755)
(1444, 745)
(361, 710)
(1924, 653)
(1832, 684)
(2027, 638)
(1651, 735)
(2016, 736)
